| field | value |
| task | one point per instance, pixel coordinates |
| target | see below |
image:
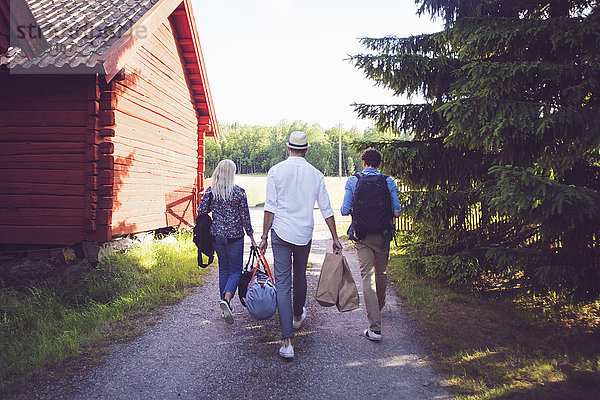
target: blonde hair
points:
(222, 180)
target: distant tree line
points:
(255, 149)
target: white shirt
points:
(293, 186)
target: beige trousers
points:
(373, 261)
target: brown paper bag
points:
(329, 280)
(348, 293)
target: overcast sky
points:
(269, 60)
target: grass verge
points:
(492, 346)
(43, 325)
(256, 185)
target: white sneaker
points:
(286, 351)
(369, 334)
(226, 311)
(298, 324)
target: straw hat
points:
(298, 141)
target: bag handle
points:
(253, 256)
(262, 255)
(261, 258)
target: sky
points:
(274, 60)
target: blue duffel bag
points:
(261, 297)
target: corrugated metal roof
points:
(78, 32)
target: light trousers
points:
(373, 255)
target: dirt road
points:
(192, 354)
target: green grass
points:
(255, 186)
(499, 347)
(53, 321)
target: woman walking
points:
(231, 217)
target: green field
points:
(255, 186)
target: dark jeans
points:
(231, 259)
(289, 259)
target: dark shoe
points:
(372, 335)
(226, 310)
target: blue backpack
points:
(371, 208)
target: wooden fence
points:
(473, 221)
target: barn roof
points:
(18, 14)
(100, 36)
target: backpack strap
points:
(393, 232)
(358, 175)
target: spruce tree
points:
(508, 129)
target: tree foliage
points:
(509, 126)
(255, 149)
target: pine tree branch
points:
(420, 120)
(429, 164)
(408, 73)
(429, 45)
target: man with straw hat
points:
(293, 187)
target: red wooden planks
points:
(43, 118)
(35, 216)
(42, 148)
(68, 176)
(41, 201)
(155, 142)
(59, 234)
(21, 188)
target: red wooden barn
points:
(101, 133)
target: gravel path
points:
(192, 354)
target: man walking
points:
(293, 187)
(372, 200)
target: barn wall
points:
(45, 131)
(155, 154)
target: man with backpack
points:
(372, 200)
